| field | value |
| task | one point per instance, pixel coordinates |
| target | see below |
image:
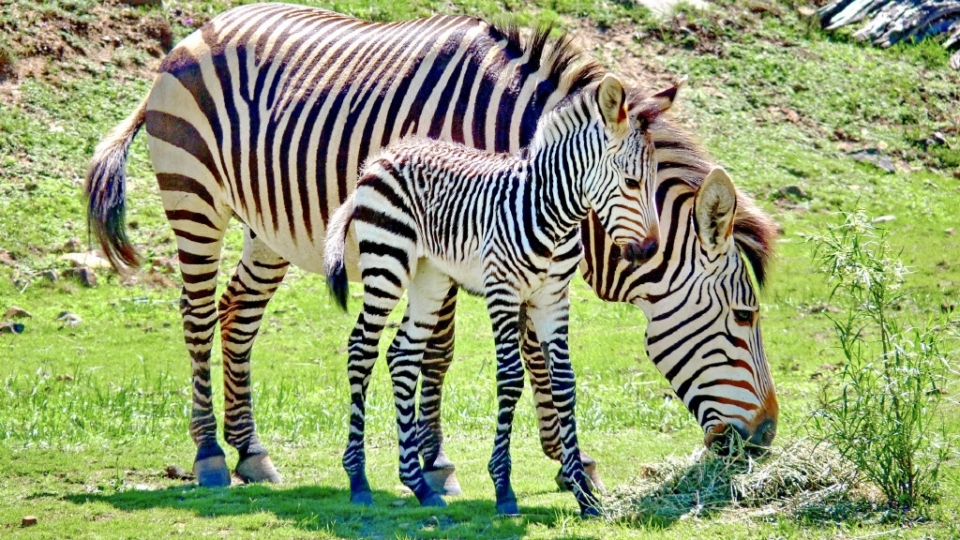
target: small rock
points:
(175, 472)
(17, 312)
(883, 219)
(938, 138)
(792, 192)
(806, 11)
(28, 521)
(10, 327)
(84, 274)
(50, 275)
(951, 231)
(72, 245)
(873, 155)
(69, 319)
(90, 260)
(399, 503)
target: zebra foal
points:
(431, 216)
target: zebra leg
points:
(384, 281)
(547, 420)
(437, 467)
(504, 311)
(199, 243)
(549, 312)
(427, 295)
(241, 310)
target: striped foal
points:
(429, 216)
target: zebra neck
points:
(558, 185)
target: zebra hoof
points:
(589, 512)
(433, 501)
(362, 498)
(508, 508)
(258, 468)
(443, 481)
(212, 472)
(593, 477)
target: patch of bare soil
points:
(55, 43)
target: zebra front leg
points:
(427, 297)
(241, 307)
(549, 312)
(437, 467)
(504, 308)
(548, 423)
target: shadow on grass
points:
(328, 509)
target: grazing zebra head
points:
(703, 333)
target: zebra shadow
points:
(327, 509)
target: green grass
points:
(86, 453)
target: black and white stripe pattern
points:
(264, 114)
(429, 216)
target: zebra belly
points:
(467, 273)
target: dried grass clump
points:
(800, 479)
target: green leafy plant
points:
(884, 417)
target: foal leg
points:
(241, 310)
(549, 311)
(548, 422)
(426, 297)
(385, 278)
(437, 467)
(504, 306)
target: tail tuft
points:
(338, 284)
(105, 191)
(334, 252)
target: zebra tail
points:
(334, 252)
(105, 191)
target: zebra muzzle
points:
(642, 251)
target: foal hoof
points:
(212, 472)
(363, 498)
(508, 509)
(590, 512)
(434, 501)
(593, 477)
(443, 481)
(258, 468)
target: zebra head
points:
(624, 195)
(704, 325)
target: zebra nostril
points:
(641, 252)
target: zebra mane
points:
(566, 64)
(680, 158)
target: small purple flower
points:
(188, 22)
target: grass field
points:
(90, 416)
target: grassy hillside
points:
(90, 416)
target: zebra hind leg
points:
(260, 272)
(547, 420)
(427, 295)
(438, 470)
(199, 254)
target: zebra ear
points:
(714, 208)
(612, 100)
(662, 101)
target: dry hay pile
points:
(800, 479)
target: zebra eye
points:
(632, 183)
(743, 316)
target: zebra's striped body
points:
(430, 216)
(265, 114)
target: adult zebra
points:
(265, 114)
